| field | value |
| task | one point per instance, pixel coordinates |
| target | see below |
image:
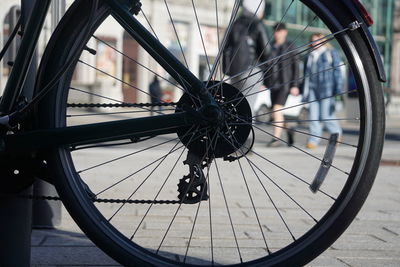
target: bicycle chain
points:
(98, 200)
(120, 105)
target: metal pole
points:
(15, 230)
(47, 214)
(16, 212)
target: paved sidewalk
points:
(372, 240)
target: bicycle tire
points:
(52, 114)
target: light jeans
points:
(320, 114)
(249, 86)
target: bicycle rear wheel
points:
(254, 209)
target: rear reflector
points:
(363, 11)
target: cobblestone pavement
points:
(372, 240)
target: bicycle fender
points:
(354, 7)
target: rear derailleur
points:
(193, 188)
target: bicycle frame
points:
(30, 141)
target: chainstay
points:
(120, 105)
(105, 200)
(97, 200)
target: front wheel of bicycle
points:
(169, 200)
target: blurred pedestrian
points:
(246, 48)
(323, 81)
(282, 79)
(155, 94)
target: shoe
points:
(274, 143)
(290, 137)
(311, 146)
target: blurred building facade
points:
(125, 68)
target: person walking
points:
(155, 94)
(282, 79)
(323, 81)
(247, 46)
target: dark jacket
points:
(238, 58)
(283, 73)
(155, 92)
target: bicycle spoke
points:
(284, 59)
(201, 35)
(176, 33)
(161, 188)
(127, 155)
(218, 37)
(97, 95)
(228, 211)
(296, 121)
(210, 216)
(198, 206)
(276, 124)
(117, 79)
(140, 64)
(288, 172)
(145, 180)
(162, 158)
(254, 207)
(266, 46)
(305, 103)
(279, 85)
(235, 11)
(270, 198)
(292, 174)
(252, 164)
(159, 160)
(271, 74)
(273, 202)
(320, 120)
(286, 50)
(326, 37)
(254, 16)
(185, 90)
(246, 184)
(300, 149)
(296, 147)
(317, 136)
(179, 206)
(148, 23)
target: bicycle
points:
(257, 204)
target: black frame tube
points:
(39, 140)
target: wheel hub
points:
(224, 131)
